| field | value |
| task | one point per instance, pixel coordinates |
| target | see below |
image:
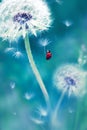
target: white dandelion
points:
(19, 17)
(71, 111)
(44, 43)
(23, 18)
(9, 49)
(71, 79)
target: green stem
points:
(58, 106)
(77, 115)
(34, 68)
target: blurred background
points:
(20, 95)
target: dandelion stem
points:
(77, 115)
(58, 106)
(34, 68)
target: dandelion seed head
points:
(71, 77)
(17, 18)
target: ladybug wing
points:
(48, 55)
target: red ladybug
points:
(48, 54)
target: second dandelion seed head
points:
(72, 78)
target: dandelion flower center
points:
(22, 17)
(70, 81)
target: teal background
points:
(65, 44)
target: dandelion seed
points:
(28, 96)
(44, 42)
(37, 121)
(42, 111)
(12, 85)
(9, 49)
(67, 23)
(17, 54)
(60, 2)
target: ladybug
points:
(48, 54)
